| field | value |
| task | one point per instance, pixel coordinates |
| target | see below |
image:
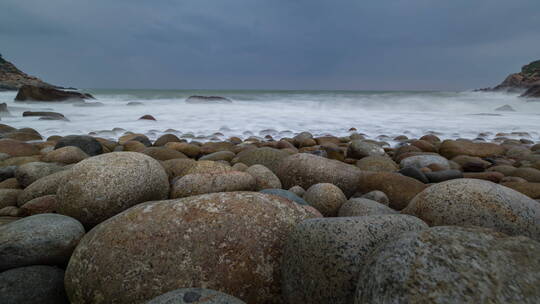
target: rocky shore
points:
(302, 219)
(526, 82)
(11, 78)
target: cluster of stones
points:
(300, 220)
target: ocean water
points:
(284, 113)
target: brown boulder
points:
(196, 184)
(17, 148)
(453, 148)
(35, 93)
(399, 189)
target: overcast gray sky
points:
(271, 44)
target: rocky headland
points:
(11, 78)
(301, 219)
(526, 82)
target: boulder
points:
(297, 190)
(197, 99)
(532, 92)
(30, 172)
(165, 139)
(529, 174)
(363, 207)
(359, 149)
(377, 163)
(147, 117)
(264, 177)
(220, 155)
(87, 144)
(452, 265)
(38, 205)
(17, 148)
(414, 173)
(465, 202)
(286, 194)
(421, 161)
(195, 295)
(377, 196)
(43, 239)
(143, 139)
(206, 166)
(268, 157)
(305, 170)
(36, 93)
(531, 190)
(505, 108)
(213, 240)
(163, 153)
(65, 155)
(8, 197)
(190, 150)
(453, 148)
(325, 197)
(323, 257)
(33, 284)
(51, 115)
(203, 183)
(104, 185)
(47, 185)
(399, 189)
(441, 176)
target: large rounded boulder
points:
(231, 242)
(47, 239)
(323, 256)
(104, 185)
(305, 170)
(452, 264)
(464, 202)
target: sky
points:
(271, 44)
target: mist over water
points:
(284, 113)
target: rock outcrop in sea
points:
(11, 78)
(528, 81)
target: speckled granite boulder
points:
(231, 241)
(33, 284)
(265, 178)
(465, 202)
(363, 207)
(452, 265)
(45, 239)
(47, 185)
(322, 257)
(305, 170)
(104, 185)
(326, 198)
(195, 295)
(399, 189)
(196, 184)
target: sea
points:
(380, 115)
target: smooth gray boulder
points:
(452, 264)
(42, 239)
(322, 257)
(421, 161)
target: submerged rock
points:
(197, 99)
(505, 108)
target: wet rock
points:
(305, 170)
(33, 284)
(286, 194)
(87, 144)
(196, 184)
(480, 203)
(377, 163)
(134, 103)
(264, 178)
(52, 115)
(217, 236)
(363, 207)
(323, 257)
(39, 205)
(104, 185)
(17, 148)
(8, 197)
(359, 149)
(44, 186)
(30, 172)
(197, 99)
(147, 117)
(65, 155)
(451, 149)
(325, 197)
(195, 295)
(441, 176)
(7, 172)
(414, 173)
(452, 265)
(43, 239)
(399, 189)
(35, 93)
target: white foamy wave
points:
(452, 115)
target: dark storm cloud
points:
(393, 44)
